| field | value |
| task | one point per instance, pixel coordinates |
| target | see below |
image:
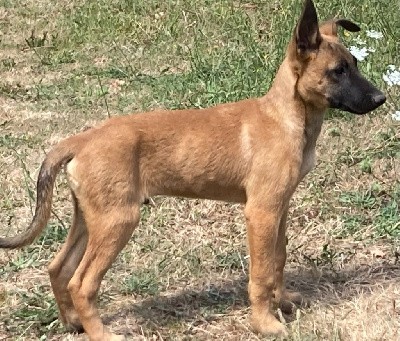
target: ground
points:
(68, 65)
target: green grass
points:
(38, 312)
(141, 282)
(69, 65)
(374, 208)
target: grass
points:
(183, 276)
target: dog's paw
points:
(268, 325)
(115, 337)
(108, 336)
(71, 322)
(290, 300)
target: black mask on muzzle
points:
(355, 94)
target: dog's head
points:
(327, 73)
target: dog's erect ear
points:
(348, 25)
(330, 27)
(307, 33)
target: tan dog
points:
(254, 152)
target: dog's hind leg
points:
(64, 265)
(108, 232)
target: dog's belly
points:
(195, 166)
(191, 182)
(207, 190)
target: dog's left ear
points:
(307, 35)
(330, 27)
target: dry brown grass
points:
(184, 274)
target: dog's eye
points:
(340, 70)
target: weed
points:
(38, 311)
(141, 283)
(35, 41)
(374, 208)
(231, 261)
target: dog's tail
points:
(55, 159)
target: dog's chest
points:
(308, 162)
(311, 134)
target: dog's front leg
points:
(262, 229)
(280, 260)
(286, 300)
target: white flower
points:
(374, 34)
(359, 41)
(392, 76)
(396, 115)
(359, 53)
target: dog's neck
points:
(290, 107)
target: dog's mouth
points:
(352, 111)
(357, 110)
(341, 106)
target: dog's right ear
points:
(307, 35)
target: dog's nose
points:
(379, 99)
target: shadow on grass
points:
(333, 287)
(207, 304)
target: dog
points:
(254, 151)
